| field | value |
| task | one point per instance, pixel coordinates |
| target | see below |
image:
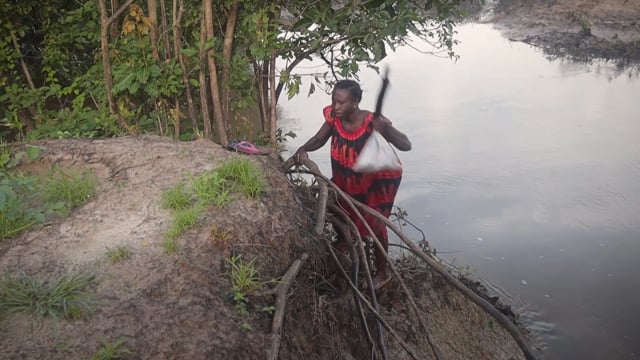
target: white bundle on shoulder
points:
(377, 155)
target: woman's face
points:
(342, 103)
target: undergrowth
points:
(65, 190)
(188, 200)
(64, 298)
(27, 200)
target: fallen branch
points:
(281, 292)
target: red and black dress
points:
(377, 190)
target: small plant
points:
(244, 279)
(184, 219)
(113, 351)
(268, 309)
(65, 298)
(176, 198)
(211, 188)
(221, 238)
(10, 159)
(16, 199)
(66, 191)
(170, 245)
(244, 175)
(119, 253)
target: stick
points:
(281, 303)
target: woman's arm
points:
(383, 125)
(315, 143)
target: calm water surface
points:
(528, 171)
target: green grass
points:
(170, 245)
(211, 188)
(184, 219)
(118, 253)
(65, 298)
(113, 351)
(244, 175)
(18, 209)
(67, 190)
(176, 198)
(244, 279)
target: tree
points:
(227, 55)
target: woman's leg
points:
(381, 277)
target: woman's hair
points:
(353, 87)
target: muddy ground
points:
(582, 30)
(179, 305)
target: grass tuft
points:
(211, 188)
(118, 254)
(67, 190)
(244, 175)
(184, 219)
(215, 187)
(65, 298)
(176, 198)
(113, 351)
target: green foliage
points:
(17, 194)
(27, 200)
(113, 351)
(65, 298)
(63, 95)
(66, 190)
(244, 279)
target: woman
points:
(349, 128)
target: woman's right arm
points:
(315, 143)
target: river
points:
(524, 169)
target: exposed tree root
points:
(357, 207)
(281, 292)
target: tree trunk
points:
(105, 23)
(264, 83)
(262, 99)
(272, 100)
(153, 32)
(213, 76)
(114, 32)
(202, 79)
(23, 64)
(227, 51)
(164, 34)
(178, 9)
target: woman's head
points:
(345, 98)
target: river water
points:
(527, 171)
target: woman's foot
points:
(380, 280)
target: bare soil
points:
(582, 30)
(179, 306)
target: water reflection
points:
(529, 171)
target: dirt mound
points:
(180, 305)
